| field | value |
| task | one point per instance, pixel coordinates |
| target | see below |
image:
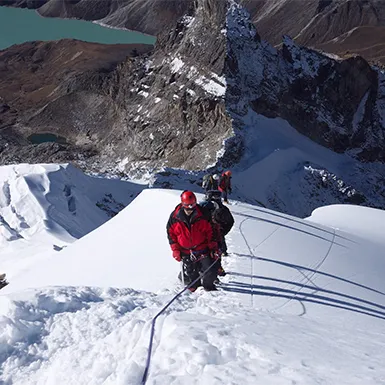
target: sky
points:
(303, 301)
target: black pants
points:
(192, 270)
(222, 244)
(224, 195)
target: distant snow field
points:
(303, 301)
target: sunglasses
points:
(189, 207)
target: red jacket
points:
(225, 183)
(190, 233)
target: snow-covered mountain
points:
(47, 207)
(302, 303)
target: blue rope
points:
(145, 374)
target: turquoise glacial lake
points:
(47, 137)
(21, 25)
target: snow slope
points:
(303, 303)
(285, 170)
(365, 222)
(46, 207)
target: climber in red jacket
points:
(225, 185)
(191, 240)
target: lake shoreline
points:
(20, 25)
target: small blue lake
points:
(46, 137)
(21, 25)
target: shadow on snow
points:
(316, 295)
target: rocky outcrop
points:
(3, 280)
(335, 103)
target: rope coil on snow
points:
(148, 361)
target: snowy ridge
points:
(344, 217)
(50, 206)
(302, 303)
(285, 170)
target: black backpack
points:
(223, 217)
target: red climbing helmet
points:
(188, 199)
(228, 173)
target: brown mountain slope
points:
(315, 23)
(34, 75)
(365, 41)
(31, 71)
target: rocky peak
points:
(334, 102)
(198, 35)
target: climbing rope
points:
(148, 361)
